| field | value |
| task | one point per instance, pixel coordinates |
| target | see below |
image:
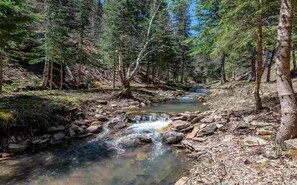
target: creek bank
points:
(233, 144)
(42, 121)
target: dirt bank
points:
(239, 147)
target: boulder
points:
(130, 142)
(94, 129)
(58, 136)
(179, 125)
(16, 148)
(145, 139)
(172, 137)
(74, 128)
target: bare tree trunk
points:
(222, 70)
(182, 67)
(148, 70)
(252, 78)
(294, 60)
(51, 74)
(46, 71)
(168, 72)
(61, 76)
(259, 62)
(153, 70)
(114, 74)
(46, 63)
(1, 72)
(288, 126)
(269, 66)
(79, 75)
(266, 63)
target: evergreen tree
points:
(15, 18)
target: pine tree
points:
(182, 24)
(15, 18)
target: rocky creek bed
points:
(123, 139)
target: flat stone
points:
(249, 119)
(208, 130)
(172, 137)
(179, 125)
(94, 129)
(56, 128)
(16, 148)
(58, 136)
(254, 141)
(193, 133)
(182, 118)
(192, 145)
(85, 135)
(102, 102)
(197, 119)
(96, 123)
(291, 144)
(208, 119)
(100, 117)
(182, 181)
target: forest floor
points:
(242, 149)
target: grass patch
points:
(5, 117)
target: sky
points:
(193, 20)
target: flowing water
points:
(113, 158)
(182, 104)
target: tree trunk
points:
(114, 74)
(259, 62)
(168, 72)
(288, 126)
(1, 72)
(182, 67)
(222, 70)
(51, 74)
(253, 70)
(294, 60)
(267, 58)
(61, 76)
(46, 72)
(153, 70)
(126, 93)
(269, 66)
(148, 70)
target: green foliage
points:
(230, 27)
(15, 18)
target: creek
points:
(113, 157)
